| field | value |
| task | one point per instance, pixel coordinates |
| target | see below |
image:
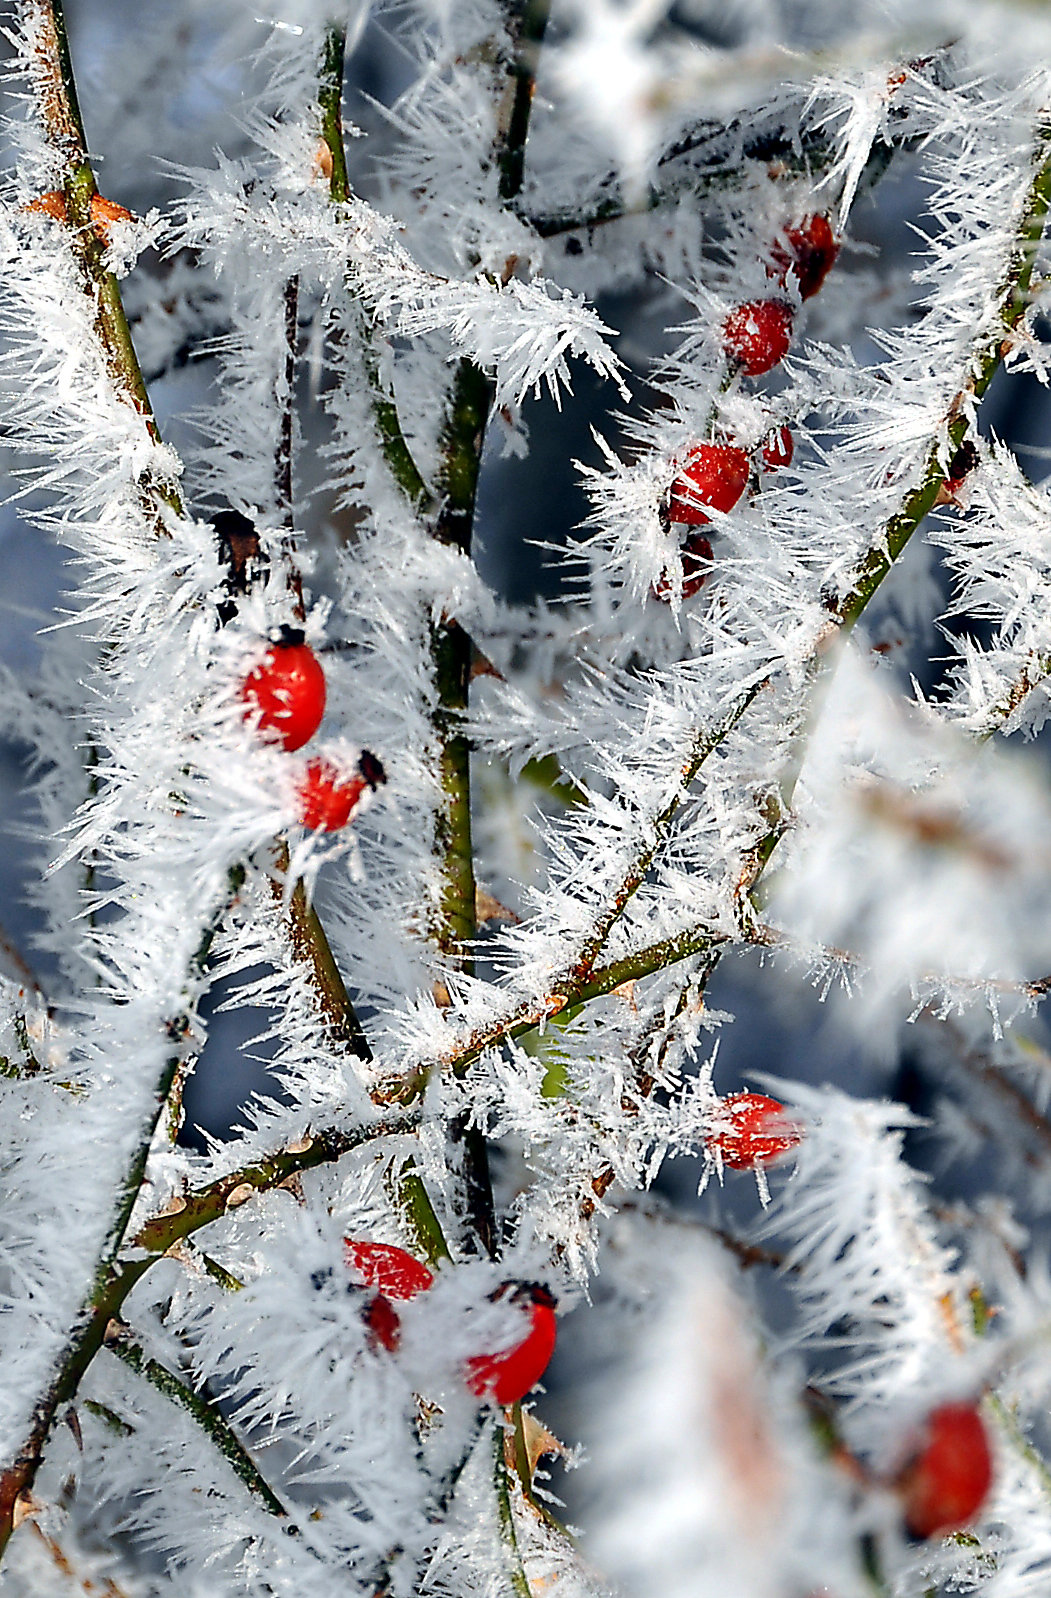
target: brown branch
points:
(977, 1064)
(56, 96)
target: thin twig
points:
(117, 1277)
(785, 155)
(1014, 300)
(768, 937)
(391, 439)
(202, 1408)
(188, 1212)
(56, 96)
(112, 1279)
(285, 396)
(310, 945)
(516, 1574)
(574, 984)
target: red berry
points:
(696, 555)
(757, 334)
(752, 1127)
(505, 1378)
(394, 1274)
(778, 447)
(714, 475)
(387, 1268)
(285, 693)
(945, 1483)
(328, 798)
(809, 252)
(382, 1323)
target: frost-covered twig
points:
(1013, 302)
(310, 944)
(770, 937)
(519, 1584)
(188, 1212)
(121, 1341)
(721, 157)
(396, 451)
(116, 1277)
(112, 1279)
(55, 89)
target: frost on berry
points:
(696, 557)
(714, 476)
(393, 1274)
(750, 1128)
(757, 335)
(285, 692)
(328, 798)
(613, 769)
(777, 449)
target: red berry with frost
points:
(328, 797)
(751, 1127)
(778, 447)
(715, 476)
(395, 1275)
(387, 1268)
(757, 334)
(506, 1377)
(285, 693)
(808, 251)
(696, 556)
(948, 1478)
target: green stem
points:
(704, 744)
(190, 1211)
(461, 445)
(518, 1579)
(412, 1200)
(1014, 300)
(17, 1478)
(120, 1340)
(330, 101)
(563, 1000)
(108, 1288)
(109, 1418)
(391, 439)
(186, 1215)
(461, 452)
(1009, 1425)
(573, 986)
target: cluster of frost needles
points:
(660, 957)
